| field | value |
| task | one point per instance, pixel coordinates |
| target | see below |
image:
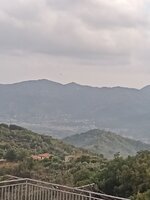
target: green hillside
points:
(127, 177)
(106, 143)
(27, 142)
(17, 145)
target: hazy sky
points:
(94, 42)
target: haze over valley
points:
(62, 110)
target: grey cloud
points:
(108, 15)
(54, 29)
(87, 32)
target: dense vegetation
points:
(22, 141)
(18, 144)
(126, 177)
(106, 143)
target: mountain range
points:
(63, 110)
(106, 143)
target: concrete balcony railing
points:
(29, 189)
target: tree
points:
(11, 155)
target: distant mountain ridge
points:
(106, 143)
(62, 110)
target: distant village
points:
(43, 156)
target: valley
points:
(63, 110)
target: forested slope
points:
(126, 177)
(106, 143)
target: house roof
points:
(41, 156)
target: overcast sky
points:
(94, 42)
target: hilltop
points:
(63, 110)
(106, 143)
